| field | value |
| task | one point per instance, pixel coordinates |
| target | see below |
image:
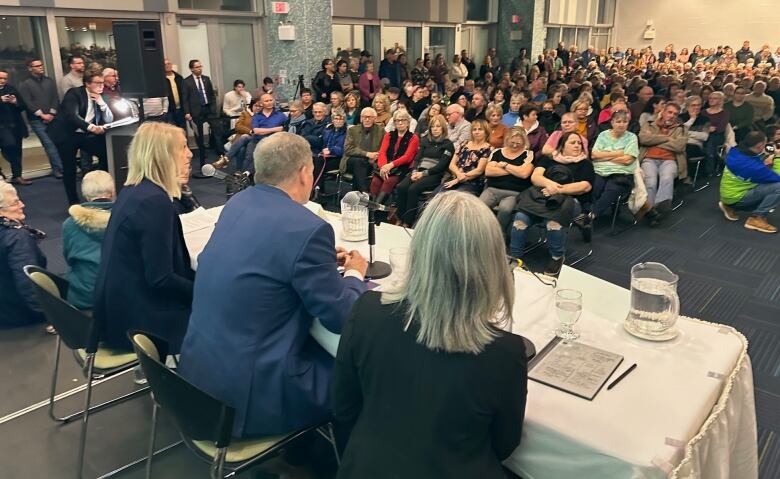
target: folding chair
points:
(204, 422)
(79, 332)
(620, 202)
(698, 160)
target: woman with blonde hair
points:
(381, 104)
(469, 161)
(145, 279)
(459, 380)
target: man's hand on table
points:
(351, 260)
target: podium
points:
(117, 141)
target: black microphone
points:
(354, 198)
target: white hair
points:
(455, 107)
(456, 296)
(98, 184)
(279, 157)
(6, 189)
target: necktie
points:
(202, 92)
(98, 115)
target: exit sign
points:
(280, 7)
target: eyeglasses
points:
(97, 83)
(401, 120)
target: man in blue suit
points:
(268, 270)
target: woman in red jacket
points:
(396, 153)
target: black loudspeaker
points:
(140, 59)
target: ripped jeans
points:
(556, 233)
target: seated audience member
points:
(698, 126)
(361, 149)
(381, 105)
(296, 118)
(352, 108)
(549, 119)
(248, 342)
(499, 99)
(498, 130)
(662, 157)
(586, 125)
(236, 100)
(313, 128)
(508, 173)
(616, 103)
(243, 134)
(332, 145)
(412, 122)
(512, 117)
(398, 150)
(145, 276)
(477, 110)
(433, 159)
(614, 162)
(432, 111)
(719, 123)
(265, 123)
(763, 104)
(82, 236)
(530, 123)
(561, 186)
(426, 341)
(568, 125)
(307, 101)
(458, 129)
(469, 161)
(18, 248)
(336, 101)
(751, 181)
(740, 113)
(653, 108)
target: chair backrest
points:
(197, 415)
(76, 329)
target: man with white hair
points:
(82, 236)
(458, 128)
(763, 104)
(248, 342)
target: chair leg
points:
(615, 211)
(151, 442)
(218, 466)
(85, 417)
(54, 381)
(695, 177)
(327, 432)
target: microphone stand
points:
(376, 269)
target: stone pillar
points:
(313, 24)
(528, 33)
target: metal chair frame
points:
(697, 160)
(622, 200)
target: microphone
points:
(209, 170)
(354, 198)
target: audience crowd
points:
(561, 142)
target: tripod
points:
(298, 87)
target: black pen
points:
(620, 378)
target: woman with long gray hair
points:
(426, 383)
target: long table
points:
(686, 411)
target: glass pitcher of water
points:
(655, 304)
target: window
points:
(220, 5)
(553, 37)
(477, 10)
(23, 38)
(90, 38)
(606, 12)
(237, 38)
(442, 40)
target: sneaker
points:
(553, 268)
(138, 376)
(759, 223)
(728, 212)
(21, 181)
(58, 174)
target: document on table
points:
(574, 368)
(198, 219)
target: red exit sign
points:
(280, 7)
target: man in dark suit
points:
(77, 126)
(248, 341)
(200, 106)
(175, 92)
(12, 129)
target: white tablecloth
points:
(687, 410)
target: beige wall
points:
(686, 23)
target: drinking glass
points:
(399, 263)
(568, 306)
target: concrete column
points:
(287, 59)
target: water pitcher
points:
(655, 305)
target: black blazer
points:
(415, 413)
(14, 111)
(145, 279)
(71, 114)
(190, 102)
(179, 80)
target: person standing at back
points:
(41, 101)
(75, 77)
(200, 106)
(12, 129)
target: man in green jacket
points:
(361, 149)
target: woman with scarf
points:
(561, 186)
(18, 248)
(398, 149)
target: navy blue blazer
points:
(267, 271)
(18, 248)
(145, 278)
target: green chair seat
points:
(239, 450)
(109, 358)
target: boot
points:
(759, 223)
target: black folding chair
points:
(204, 422)
(79, 333)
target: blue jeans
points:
(556, 233)
(49, 147)
(237, 151)
(760, 199)
(659, 178)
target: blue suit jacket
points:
(267, 271)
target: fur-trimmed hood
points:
(91, 217)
